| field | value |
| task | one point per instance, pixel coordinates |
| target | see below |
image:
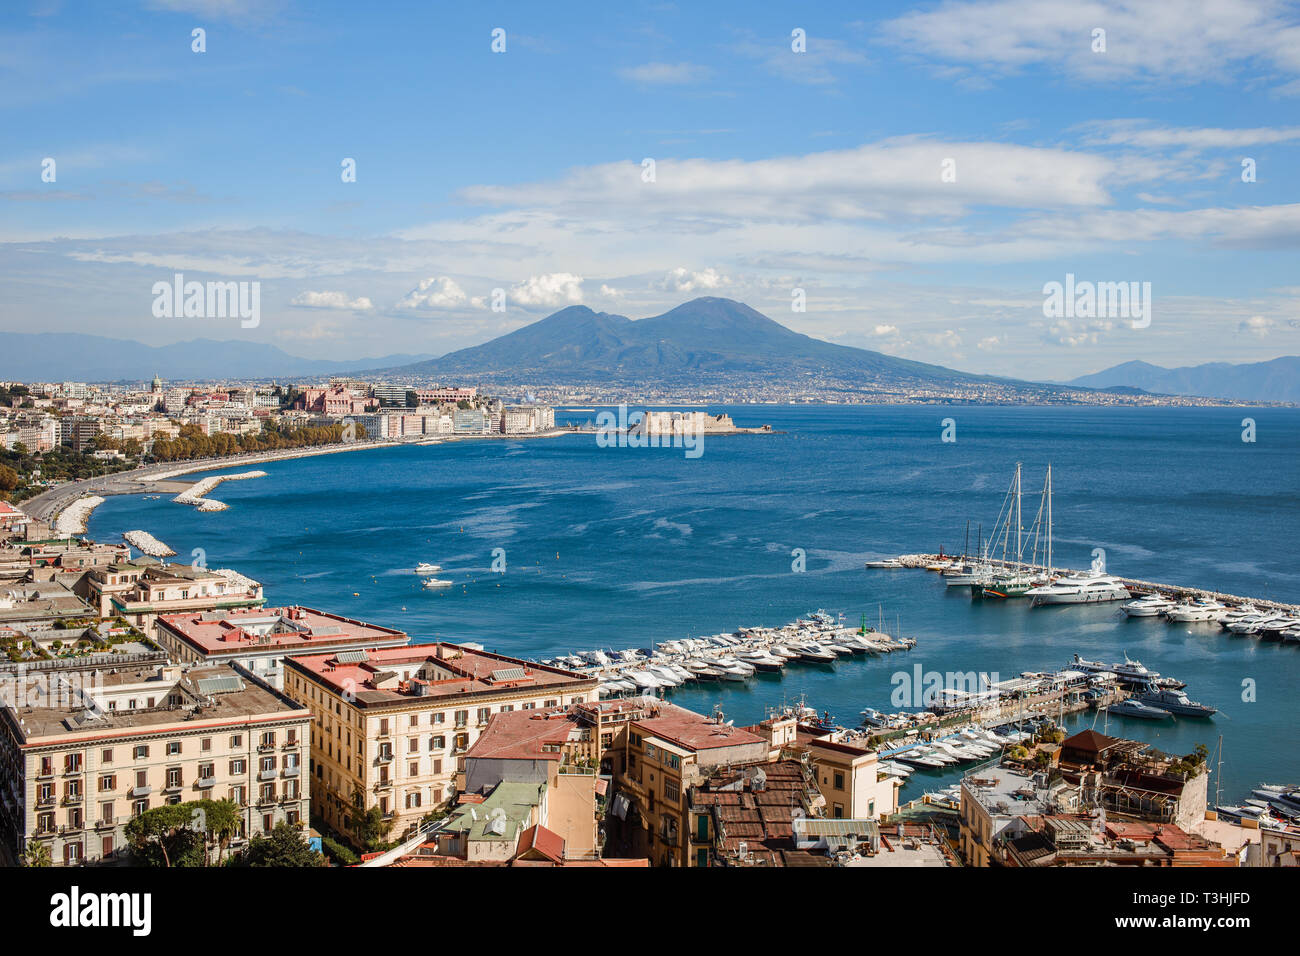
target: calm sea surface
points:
(618, 547)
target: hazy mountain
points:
(72, 357)
(1277, 380)
(701, 341)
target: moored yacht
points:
(1174, 701)
(1152, 605)
(1090, 588)
(1203, 609)
(1135, 708)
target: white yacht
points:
(1152, 605)
(887, 563)
(438, 583)
(424, 567)
(1204, 609)
(1090, 588)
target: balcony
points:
(140, 791)
(205, 783)
(265, 748)
(383, 785)
(108, 824)
(46, 801)
(72, 800)
(266, 775)
(384, 757)
(292, 771)
(290, 745)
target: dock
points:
(1176, 591)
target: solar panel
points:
(351, 657)
(509, 673)
(220, 685)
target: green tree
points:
(166, 836)
(38, 853)
(283, 847)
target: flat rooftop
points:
(440, 671)
(1004, 791)
(224, 695)
(692, 731)
(288, 629)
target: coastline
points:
(50, 504)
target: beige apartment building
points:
(73, 774)
(391, 724)
(260, 638)
(141, 591)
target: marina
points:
(816, 639)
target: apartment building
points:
(144, 589)
(668, 750)
(260, 638)
(389, 726)
(73, 774)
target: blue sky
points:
(774, 170)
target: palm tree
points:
(38, 853)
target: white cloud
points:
(557, 288)
(683, 280)
(331, 300)
(1146, 135)
(1171, 41)
(665, 74)
(610, 292)
(885, 330)
(438, 292)
(1257, 325)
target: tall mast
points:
(1049, 519)
(1019, 546)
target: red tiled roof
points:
(521, 734)
(691, 730)
(541, 840)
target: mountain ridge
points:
(1273, 380)
(79, 357)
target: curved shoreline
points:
(48, 504)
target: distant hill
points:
(72, 357)
(1277, 380)
(702, 341)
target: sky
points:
(918, 172)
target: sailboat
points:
(1014, 583)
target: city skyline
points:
(921, 175)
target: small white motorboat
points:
(438, 583)
(424, 567)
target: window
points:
(237, 768)
(701, 828)
(108, 782)
(142, 778)
(439, 718)
(383, 727)
(414, 721)
(173, 777)
(438, 742)
(839, 811)
(72, 763)
(141, 752)
(106, 812)
(139, 807)
(173, 748)
(462, 718)
(414, 768)
(237, 740)
(483, 714)
(207, 771)
(268, 738)
(106, 756)
(268, 764)
(839, 780)
(205, 744)
(671, 790)
(412, 745)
